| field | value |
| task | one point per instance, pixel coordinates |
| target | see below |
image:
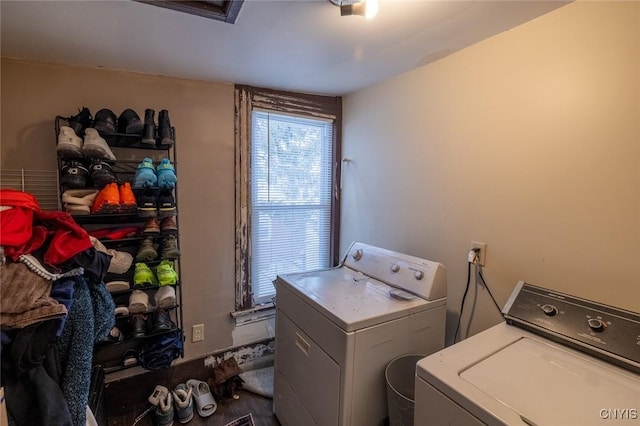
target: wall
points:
(528, 141)
(203, 115)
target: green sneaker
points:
(143, 275)
(166, 274)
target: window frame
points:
(248, 98)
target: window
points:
(287, 147)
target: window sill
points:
(257, 313)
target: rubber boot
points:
(165, 132)
(149, 132)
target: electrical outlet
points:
(482, 257)
(197, 333)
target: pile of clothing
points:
(54, 307)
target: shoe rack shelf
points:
(110, 354)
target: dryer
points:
(556, 360)
(338, 328)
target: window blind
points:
(291, 179)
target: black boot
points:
(129, 122)
(149, 132)
(105, 121)
(80, 121)
(165, 131)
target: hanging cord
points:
(487, 287)
(464, 297)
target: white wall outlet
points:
(197, 333)
(482, 257)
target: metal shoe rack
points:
(129, 153)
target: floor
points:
(261, 409)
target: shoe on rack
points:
(169, 248)
(183, 403)
(101, 173)
(162, 321)
(108, 200)
(143, 275)
(148, 204)
(129, 122)
(137, 325)
(166, 174)
(80, 121)
(138, 302)
(165, 131)
(130, 357)
(105, 121)
(166, 274)
(168, 225)
(79, 201)
(95, 146)
(115, 335)
(165, 297)
(151, 226)
(145, 176)
(163, 413)
(69, 143)
(128, 202)
(149, 129)
(166, 204)
(74, 174)
(146, 252)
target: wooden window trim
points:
(248, 98)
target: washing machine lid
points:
(510, 376)
(352, 300)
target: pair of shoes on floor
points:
(203, 398)
(162, 204)
(167, 226)
(92, 145)
(181, 398)
(149, 175)
(115, 199)
(167, 249)
(77, 173)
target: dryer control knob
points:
(418, 275)
(596, 324)
(357, 254)
(549, 310)
(395, 267)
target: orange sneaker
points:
(127, 199)
(108, 200)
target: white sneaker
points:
(69, 144)
(165, 296)
(95, 146)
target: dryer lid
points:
(353, 300)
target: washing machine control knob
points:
(357, 254)
(418, 275)
(596, 324)
(395, 267)
(549, 310)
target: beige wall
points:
(528, 141)
(202, 113)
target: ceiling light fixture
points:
(366, 8)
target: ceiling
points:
(298, 45)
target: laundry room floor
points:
(261, 409)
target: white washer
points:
(337, 329)
(557, 360)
